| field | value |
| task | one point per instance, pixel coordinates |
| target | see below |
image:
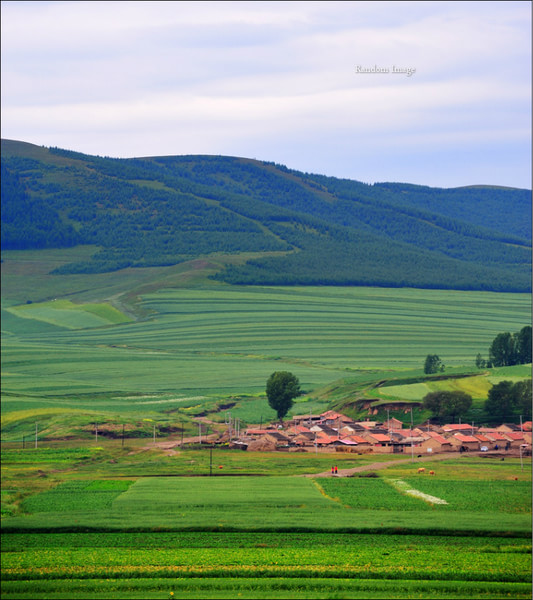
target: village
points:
(334, 432)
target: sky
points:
(431, 93)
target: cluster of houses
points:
(332, 431)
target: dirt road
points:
(385, 464)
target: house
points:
(393, 424)
(254, 433)
(515, 439)
(382, 442)
(323, 440)
(526, 426)
(497, 439)
(331, 415)
(463, 442)
(463, 428)
(434, 443)
(296, 429)
(484, 441)
(351, 429)
(270, 441)
(306, 419)
(352, 443)
(367, 424)
(508, 427)
(320, 428)
(304, 439)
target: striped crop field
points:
(278, 536)
(227, 340)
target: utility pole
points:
(200, 432)
(123, 435)
(154, 434)
(36, 436)
(412, 447)
(210, 461)
(96, 432)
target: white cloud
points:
(138, 78)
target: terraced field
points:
(225, 341)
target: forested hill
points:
(310, 229)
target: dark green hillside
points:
(164, 210)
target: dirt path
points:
(385, 464)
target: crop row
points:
(246, 587)
(337, 561)
(323, 571)
(379, 543)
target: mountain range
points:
(302, 228)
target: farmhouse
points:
(393, 424)
(464, 442)
(306, 419)
(508, 427)
(515, 438)
(496, 438)
(463, 428)
(324, 429)
(271, 440)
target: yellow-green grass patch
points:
(65, 313)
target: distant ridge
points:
(305, 229)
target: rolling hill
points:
(304, 229)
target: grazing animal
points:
(421, 470)
(432, 472)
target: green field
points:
(90, 533)
(218, 342)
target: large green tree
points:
(281, 389)
(447, 404)
(433, 364)
(506, 399)
(511, 348)
(523, 345)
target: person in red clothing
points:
(335, 469)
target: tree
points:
(447, 404)
(480, 362)
(281, 389)
(433, 364)
(500, 401)
(506, 398)
(502, 351)
(523, 345)
(522, 393)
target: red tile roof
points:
(358, 439)
(496, 436)
(465, 438)
(514, 435)
(380, 437)
(457, 427)
(438, 437)
(299, 429)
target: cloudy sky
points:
(434, 93)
